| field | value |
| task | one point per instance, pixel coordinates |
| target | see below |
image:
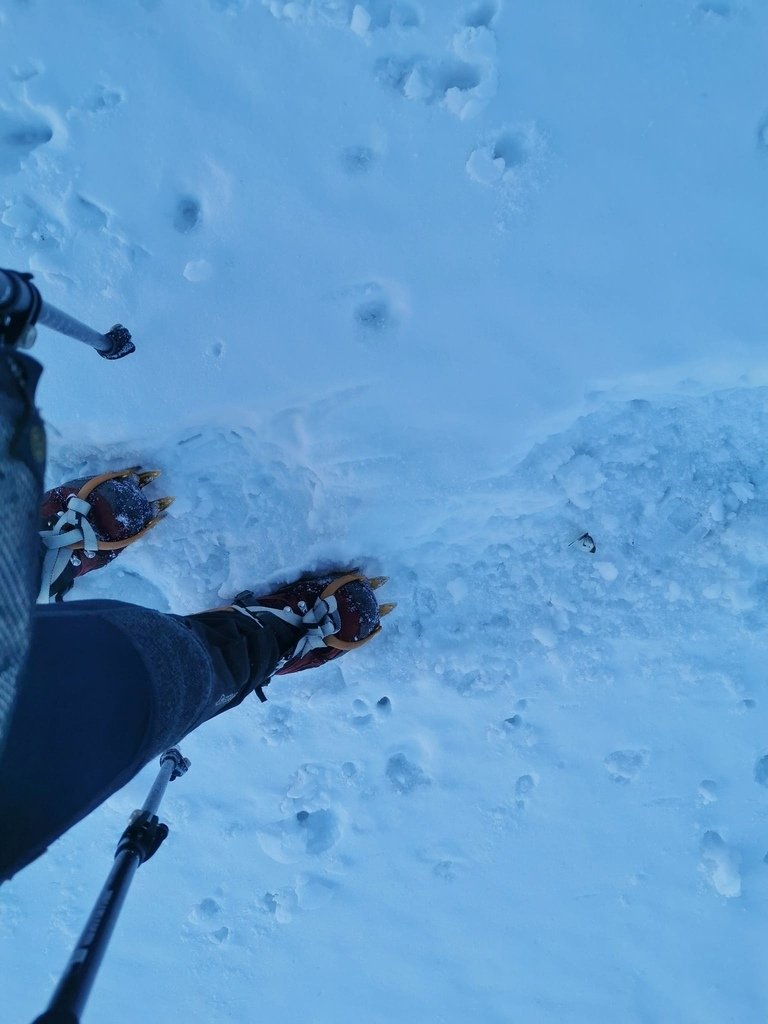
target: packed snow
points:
(471, 294)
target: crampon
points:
(86, 523)
(333, 613)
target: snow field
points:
(455, 292)
(570, 706)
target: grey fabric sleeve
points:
(22, 463)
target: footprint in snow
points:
(719, 10)
(361, 18)
(624, 765)
(20, 135)
(761, 770)
(32, 224)
(720, 865)
(481, 14)
(707, 792)
(379, 307)
(281, 904)
(509, 160)
(306, 832)
(374, 315)
(206, 917)
(384, 706)
(404, 775)
(446, 870)
(386, 15)
(450, 82)
(314, 891)
(88, 214)
(309, 893)
(25, 71)
(361, 716)
(277, 724)
(463, 80)
(358, 161)
(27, 221)
(102, 100)
(187, 215)
(524, 787)
(515, 728)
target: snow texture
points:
(437, 289)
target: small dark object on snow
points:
(586, 543)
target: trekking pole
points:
(22, 306)
(141, 839)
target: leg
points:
(108, 687)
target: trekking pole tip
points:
(119, 341)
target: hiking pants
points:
(107, 687)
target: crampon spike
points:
(161, 504)
(385, 609)
(147, 476)
(377, 581)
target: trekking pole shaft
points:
(137, 844)
(75, 986)
(62, 322)
(155, 795)
(22, 306)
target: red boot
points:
(338, 612)
(86, 523)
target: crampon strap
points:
(71, 530)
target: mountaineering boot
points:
(331, 614)
(86, 523)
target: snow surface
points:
(437, 288)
